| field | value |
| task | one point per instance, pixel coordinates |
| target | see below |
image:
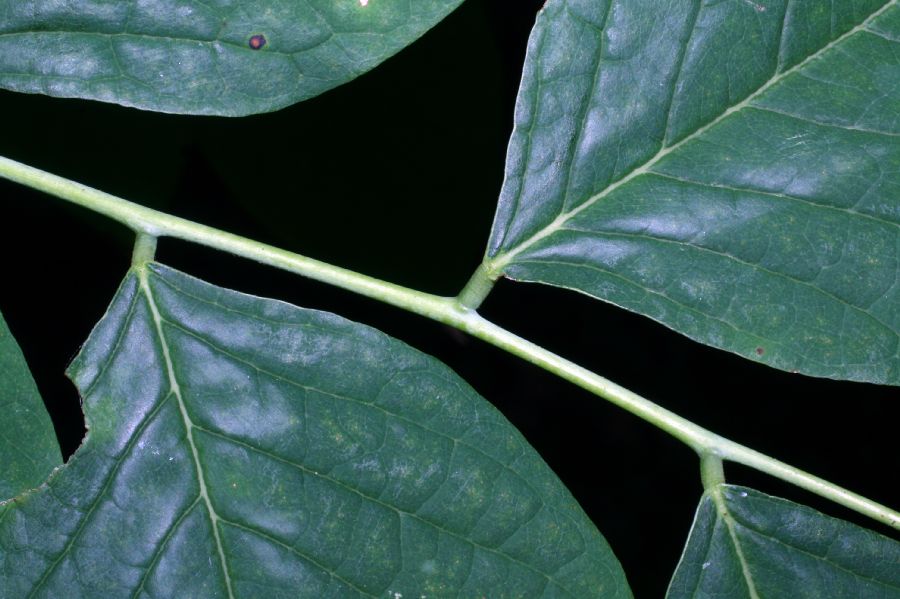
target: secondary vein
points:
(499, 262)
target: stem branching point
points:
(456, 312)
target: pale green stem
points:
(712, 473)
(150, 224)
(144, 249)
(478, 288)
(153, 223)
(703, 441)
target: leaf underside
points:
(193, 57)
(243, 447)
(745, 544)
(730, 169)
(28, 447)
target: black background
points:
(396, 175)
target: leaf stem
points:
(152, 223)
(144, 249)
(708, 444)
(457, 312)
(712, 473)
(477, 289)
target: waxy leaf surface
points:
(28, 447)
(243, 447)
(225, 57)
(728, 168)
(745, 544)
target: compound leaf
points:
(745, 544)
(728, 168)
(226, 57)
(243, 447)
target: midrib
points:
(722, 511)
(189, 428)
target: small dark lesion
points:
(257, 42)
(760, 351)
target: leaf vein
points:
(332, 573)
(781, 196)
(501, 260)
(189, 430)
(806, 119)
(114, 469)
(585, 108)
(371, 498)
(370, 405)
(749, 526)
(698, 6)
(158, 551)
(725, 516)
(743, 262)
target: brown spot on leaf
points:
(257, 41)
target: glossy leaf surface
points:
(730, 169)
(243, 447)
(745, 544)
(28, 447)
(228, 57)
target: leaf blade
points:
(618, 186)
(747, 544)
(188, 57)
(322, 456)
(27, 439)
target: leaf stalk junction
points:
(459, 312)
